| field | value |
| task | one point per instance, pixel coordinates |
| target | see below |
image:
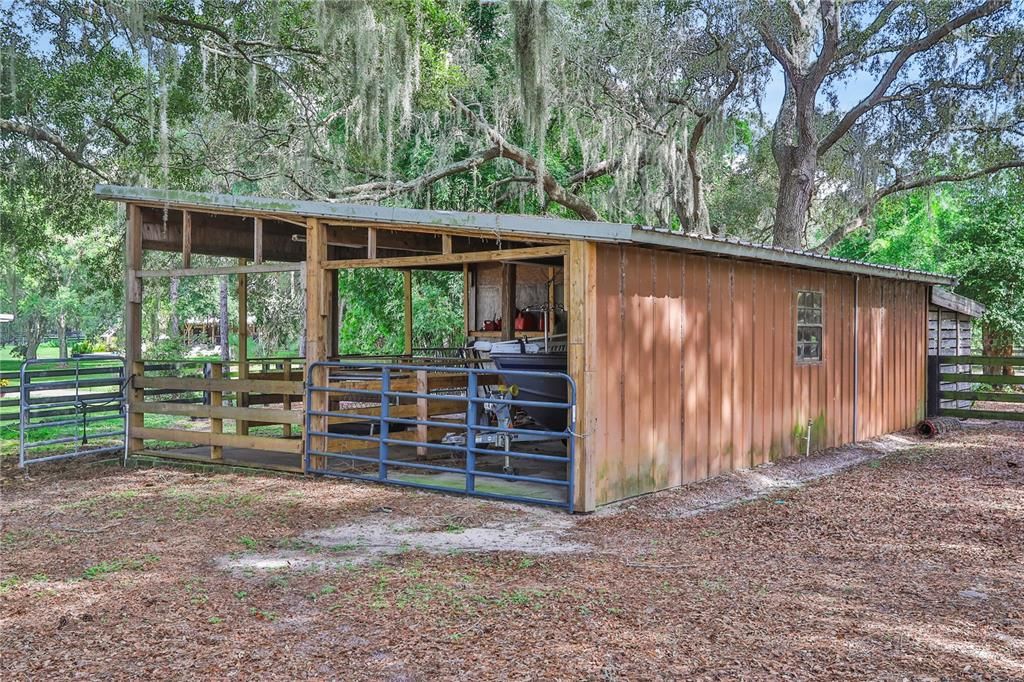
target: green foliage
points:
(974, 231)
(373, 317)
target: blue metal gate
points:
(71, 407)
(444, 428)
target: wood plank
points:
(446, 244)
(372, 243)
(340, 444)
(216, 401)
(192, 457)
(133, 318)
(422, 410)
(316, 331)
(266, 415)
(508, 300)
(404, 411)
(982, 414)
(993, 396)
(988, 360)
(215, 384)
(223, 439)
(186, 240)
(450, 259)
(581, 297)
(992, 379)
(242, 398)
(217, 271)
(467, 324)
(257, 241)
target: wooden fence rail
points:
(982, 386)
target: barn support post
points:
(508, 301)
(133, 321)
(580, 268)
(242, 399)
(467, 326)
(317, 312)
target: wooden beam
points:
(242, 399)
(581, 306)
(371, 242)
(446, 243)
(508, 301)
(450, 258)
(549, 316)
(133, 317)
(220, 235)
(217, 271)
(316, 329)
(216, 401)
(186, 239)
(333, 317)
(219, 440)
(407, 308)
(274, 386)
(255, 414)
(423, 242)
(466, 325)
(257, 241)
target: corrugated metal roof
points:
(509, 224)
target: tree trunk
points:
(225, 349)
(796, 189)
(62, 334)
(172, 322)
(33, 337)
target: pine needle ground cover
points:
(907, 564)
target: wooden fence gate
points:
(980, 380)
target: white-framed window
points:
(810, 332)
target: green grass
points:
(115, 565)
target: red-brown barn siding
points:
(696, 366)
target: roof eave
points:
(498, 223)
(736, 249)
(526, 226)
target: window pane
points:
(808, 334)
(809, 316)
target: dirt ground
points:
(906, 564)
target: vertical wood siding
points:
(697, 371)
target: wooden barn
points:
(601, 361)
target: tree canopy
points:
(794, 122)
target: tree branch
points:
(903, 185)
(507, 150)
(874, 97)
(378, 190)
(54, 140)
